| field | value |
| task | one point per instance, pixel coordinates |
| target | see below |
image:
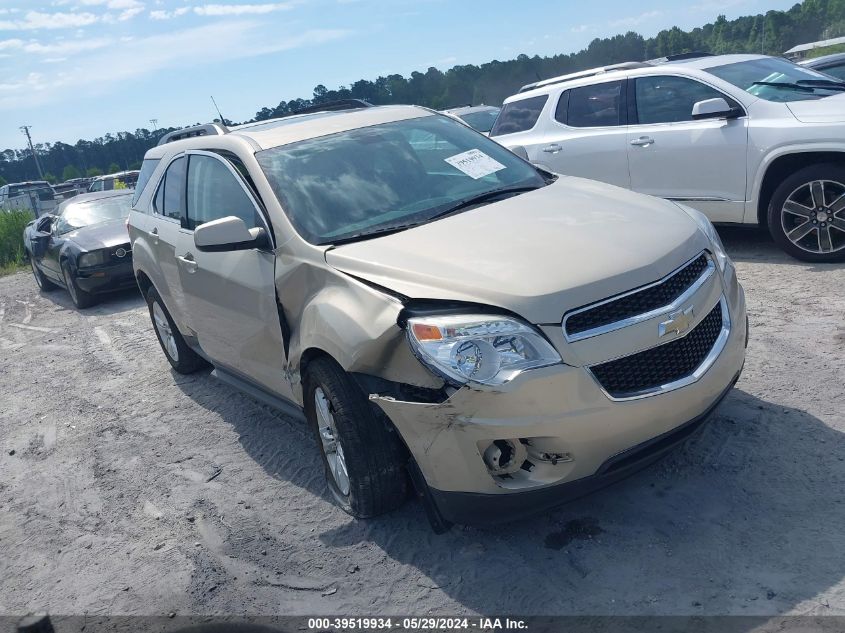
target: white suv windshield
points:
(778, 80)
(388, 177)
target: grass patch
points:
(12, 254)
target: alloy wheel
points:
(813, 217)
(71, 288)
(35, 272)
(164, 332)
(331, 444)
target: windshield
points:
(352, 184)
(79, 214)
(776, 79)
(481, 121)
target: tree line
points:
(770, 33)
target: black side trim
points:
(472, 508)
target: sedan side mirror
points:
(716, 108)
(228, 234)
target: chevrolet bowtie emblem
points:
(678, 322)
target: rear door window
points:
(597, 105)
(519, 116)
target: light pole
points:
(25, 130)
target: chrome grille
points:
(655, 368)
(636, 305)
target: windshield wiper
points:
(784, 84)
(458, 206)
(832, 84)
(481, 198)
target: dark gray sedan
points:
(833, 65)
(83, 247)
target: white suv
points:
(745, 139)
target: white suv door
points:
(699, 163)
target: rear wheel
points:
(362, 455)
(181, 357)
(80, 298)
(40, 278)
(807, 214)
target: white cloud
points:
(186, 48)
(160, 14)
(636, 20)
(240, 9)
(114, 5)
(38, 20)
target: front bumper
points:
(560, 412)
(108, 278)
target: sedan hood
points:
(827, 110)
(104, 235)
(538, 254)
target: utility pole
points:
(154, 123)
(25, 130)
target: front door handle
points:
(188, 262)
(554, 148)
(643, 141)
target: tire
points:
(806, 214)
(80, 298)
(181, 357)
(369, 447)
(40, 278)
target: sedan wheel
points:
(813, 217)
(165, 333)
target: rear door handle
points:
(154, 233)
(554, 148)
(188, 261)
(643, 141)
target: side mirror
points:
(44, 224)
(716, 108)
(228, 234)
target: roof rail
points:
(679, 57)
(331, 106)
(584, 73)
(207, 129)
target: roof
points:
(824, 60)
(118, 173)
(811, 45)
(298, 127)
(91, 197)
(469, 109)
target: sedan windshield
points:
(482, 120)
(778, 80)
(390, 177)
(79, 214)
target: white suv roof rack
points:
(584, 73)
(208, 129)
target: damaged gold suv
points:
(452, 320)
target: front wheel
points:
(807, 214)
(80, 298)
(362, 454)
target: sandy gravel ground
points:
(109, 503)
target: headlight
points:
(486, 349)
(709, 230)
(94, 258)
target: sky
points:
(81, 68)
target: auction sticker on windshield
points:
(475, 163)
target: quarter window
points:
(598, 105)
(670, 99)
(214, 193)
(147, 169)
(519, 116)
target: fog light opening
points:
(504, 457)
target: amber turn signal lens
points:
(427, 332)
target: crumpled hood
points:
(105, 235)
(827, 110)
(538, 254)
